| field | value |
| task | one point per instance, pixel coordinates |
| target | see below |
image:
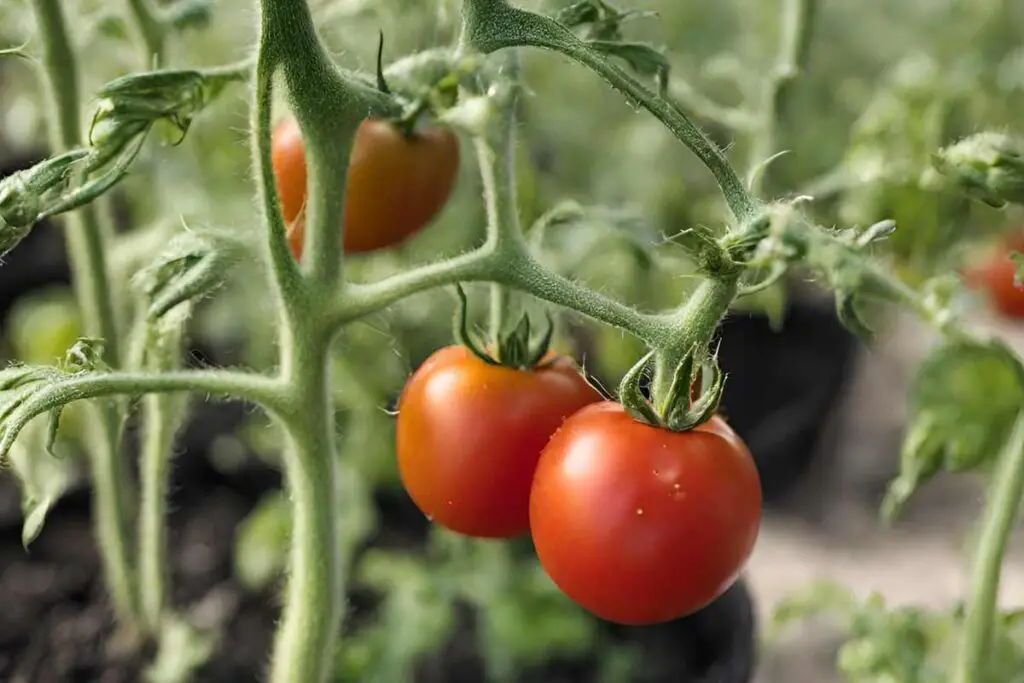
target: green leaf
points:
(43, 479)
(183, 648)
(964, 398)
(261, 543)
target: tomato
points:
(996, 277)
(639, 524)
(396, 184)
(469, 435)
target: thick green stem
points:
(794, 49)
(307, 634)
(86, 252)
(1004, 496)
(146, 20)
(499, 311)
(328, 108)
(162, 416)
(691, 328)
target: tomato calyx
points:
(518, 349)
(438, 95)
(690, 400)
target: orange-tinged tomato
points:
(396, 184)
(996, 277)
(639, 524)
(469, 435)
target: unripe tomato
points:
(396, 184)
(639, 524)
(469, 435)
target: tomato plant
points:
(640, 524)
(469, 435)
(397, 182)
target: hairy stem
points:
(86, 249)
(307, 634)
(491, 25)
(795, 42)
(692, 328)
(284, 271)
(162, 417)
(1004, 496)
(146, 21)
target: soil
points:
(56, 625)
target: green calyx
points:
(425, 84)
(679, 410)
(518, 348)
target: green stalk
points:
(146, 20)
(1004, 495)
(87, 255)
(162, 416)
(692, 326)
(794, 48)
(308, 631)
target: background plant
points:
(881, 170)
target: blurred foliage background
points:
(888, 84)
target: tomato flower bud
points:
(987, 166)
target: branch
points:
(491, 25)
(52, 391)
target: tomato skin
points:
(996, 277)
(469, 436)
(641, 525)
(396, 184)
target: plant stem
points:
(147, 23)
(86, 252)
(307, 634)
(794, 48)
(691, 328)
(490, 25)
(499, 311)
(162, 416)
(1004, 496)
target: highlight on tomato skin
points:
(469, 435)
(641, 525)
(396, 185)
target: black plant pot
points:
(783, 386)
(715, 645)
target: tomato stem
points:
(797, 22)
(86, 235)
(1004, 495)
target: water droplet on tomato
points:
(639, 512)
(449, 503)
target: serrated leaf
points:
(964, 398)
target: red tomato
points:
(469, 435)
(996, 277)
(396, 184)
(639, 524)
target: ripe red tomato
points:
(396, 184)
(639, 524)
(996, 277)
(469, 435)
